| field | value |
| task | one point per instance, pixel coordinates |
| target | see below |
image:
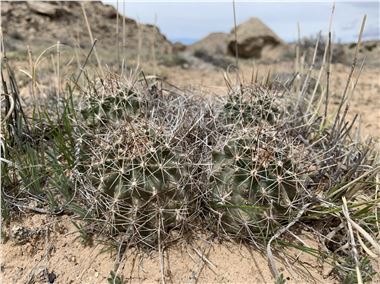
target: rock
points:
(178, 47)
(20, 235)
(51, 277)
(214, 43)
(109, 12)
(272, 53)
(50, 9)
(42, 275)
(252, 36)
(5, 8)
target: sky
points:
(189, 21)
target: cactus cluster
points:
(154, 161)
(256, 182)
(257, 172)
(114, 106)
(136, 163)
(252, 105)
(145, 163)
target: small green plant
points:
(347, 274)
(115, 279)
(85, 237)
(280, 280)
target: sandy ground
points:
(54, 250)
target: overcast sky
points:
(189, 21)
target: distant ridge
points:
(184, 40)
(40, 24)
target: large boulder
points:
(253, 36)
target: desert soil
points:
(54, 250)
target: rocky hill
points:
(215, 43)
(39, 24)
(253, 37)
(254, 40)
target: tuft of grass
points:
(85, 237)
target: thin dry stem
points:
(235, 33)
(353, 243)
(92, 39)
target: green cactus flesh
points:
(252, 187)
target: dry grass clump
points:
(147, 164)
